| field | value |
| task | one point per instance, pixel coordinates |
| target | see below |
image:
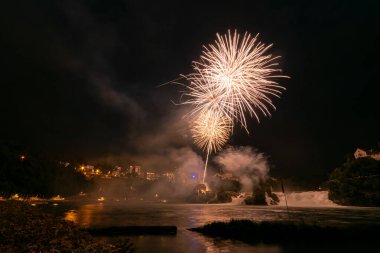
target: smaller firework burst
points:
(211, 131)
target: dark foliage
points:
(286, 231)
(31, 175)
(356, 182)
(27, 229)
(261, 191)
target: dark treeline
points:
(360, 235)
(31, 174)
(356, 182)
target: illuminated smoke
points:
(245, 163)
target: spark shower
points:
(233, 77)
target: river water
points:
(184, 216)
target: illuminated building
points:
(169, 176)
(359, 153)
(116, 172)
(135, 170)
(152, 176)
(90, 171)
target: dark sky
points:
(79, 78)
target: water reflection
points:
(191, 215)
(83, 216)
(71, 215)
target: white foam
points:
(308, 198)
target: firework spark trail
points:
(233, 76)
(211, 132)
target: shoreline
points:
(283, 232)
(26, 228)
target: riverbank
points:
(289, 231)
(25, 228)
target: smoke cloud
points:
(187, 164)
(244, 162)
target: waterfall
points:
(309, 198)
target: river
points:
(184, 216)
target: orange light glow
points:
(71, 215)
(57, 198)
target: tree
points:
(356, 182)
(27, 174)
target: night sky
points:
(79, 78)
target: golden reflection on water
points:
(71, 216)
(83, 216)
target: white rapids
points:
(306, 199)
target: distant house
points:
(152, 176)
(359, 153)
(169, 175)
(134, 169)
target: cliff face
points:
(356, 183)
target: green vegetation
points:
(31, 175)
(356, 183)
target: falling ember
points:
(233, 76)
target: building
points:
(360, 153)
(152, 176)
(89, 167)
(134, 169)
(65, 164)
(170, 176)
(116, 172)
(90, 171)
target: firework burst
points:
(210, 131)
(233, 77)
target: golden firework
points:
(210, 131)
(234, 76)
